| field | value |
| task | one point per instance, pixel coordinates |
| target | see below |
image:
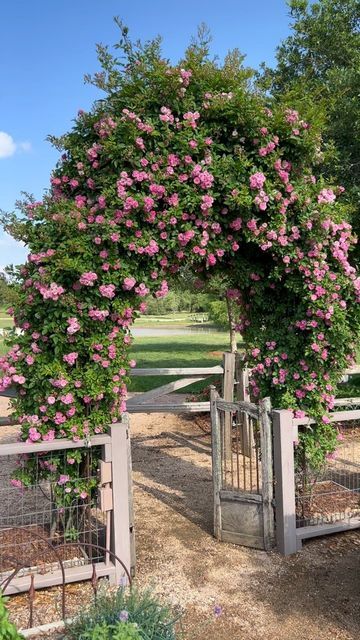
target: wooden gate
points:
(242, 472)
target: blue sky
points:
(47, 46)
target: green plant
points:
(137, 614)
(117, 631)
(7, 629)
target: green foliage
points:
(7, 629)
(178, 300)
(318, 70)
(117, 631)
(7, 292)
(123, 615)
(218, 313)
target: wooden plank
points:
(105, 472)
(106, 499)
(267, 479)
(336, 416)
(8, 422)
(10, 392)
(243, 519)
(240, 497)
(228, 395)
(345, 401)
(284, 482)
(254, 542)
(216, 461)
(246, 407)
(352, 370)
(55, 445)
(242, 394)
(164, 390)
(178, 371)
(313, 531)
(72, 574)
(181, 407)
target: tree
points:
(318, 70)
(7, 291)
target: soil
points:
(25, 548)
(328, 502)
(312, 595)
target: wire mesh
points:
(241, 467)
(50, 512)
(332, 493)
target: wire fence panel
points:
(331, 494)
(47, 513)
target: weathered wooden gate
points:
(242, 472)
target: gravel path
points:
(310, 596)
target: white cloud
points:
(8, 146)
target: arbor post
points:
(285, 508)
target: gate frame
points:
(265, 498)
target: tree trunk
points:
(232, 334)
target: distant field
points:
(173, 320)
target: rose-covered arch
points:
(180, 165)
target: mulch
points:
(31, 547)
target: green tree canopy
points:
(318, 70)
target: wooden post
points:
(228, 394)
(216, 460)
(242, 394)
(284, 482)
(267, 472)
(131, 505)
(120, 523)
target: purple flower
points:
(218, 611)
(123, 616)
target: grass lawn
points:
(3, 349)
(195, 350)
(5, 322)
(183, 319)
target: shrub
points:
(218, 313)
(139, 615)
(7, 629)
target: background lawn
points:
(180, 319)
(195, 350)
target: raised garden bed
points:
(29, 550)
(328, 502)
